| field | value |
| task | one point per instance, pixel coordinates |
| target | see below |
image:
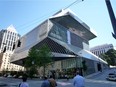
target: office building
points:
(8, 37)
(100, 49)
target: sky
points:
(24, 15)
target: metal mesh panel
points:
(77, 41)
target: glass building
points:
(67, 37)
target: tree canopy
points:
(110, 57)
(38, 57)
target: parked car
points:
(20, 77)
(5, 75)
(111, 77)
(9, 76)
(14, 76)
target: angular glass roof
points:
(80, 52)
(69, 19)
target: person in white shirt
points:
(24, 83)
(78, 80)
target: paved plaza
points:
(97, 80)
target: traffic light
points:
(19, 43)
(4, 50)
(13, 47)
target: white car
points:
(9, 76)
(20, 77)
(111, 77)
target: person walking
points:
(24, 83)
(45, 83)
(52, 82)
(78, 80)
(67, 77)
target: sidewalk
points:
(93, 75)
(65, 80)
(96, 74)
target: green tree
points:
(40, 57)
(104, 57)
(109, 57)
(30, 62)
(44, 57)
(32, 71)
(31, 59)
(112, 56)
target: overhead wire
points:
(35, 21)
(73, 3)
(38, 20)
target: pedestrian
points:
(52, 82)
(78, 80)
(24, 83)
(53, 74)
(45, 83)
(66, 76)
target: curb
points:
(3, 84)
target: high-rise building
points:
(100, 49)
(8, 38)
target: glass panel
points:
(59, 32)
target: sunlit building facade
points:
(8, 37)
(101, 49)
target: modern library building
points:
(68, 39)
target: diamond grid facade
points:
(67, 37)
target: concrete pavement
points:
(94, 80)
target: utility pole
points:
(112, 17)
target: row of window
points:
(98, 52)
(8, 36)
(6, 62)
(9, 32)
(107, 47)
(8, 40)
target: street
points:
(98, 80)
